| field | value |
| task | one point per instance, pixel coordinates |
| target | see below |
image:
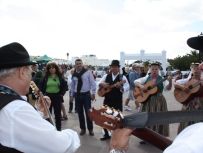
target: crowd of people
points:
(26, 128)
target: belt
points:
(83, 93)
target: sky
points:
(100, 27)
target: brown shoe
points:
(82, 132)
(91, 133)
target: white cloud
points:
(55, 27)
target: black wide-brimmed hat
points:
(196, 42)
(14, 55)
(115, 63)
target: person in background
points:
(142, 71)
(133, 75)
(22, 128)
(178, 75)
(71, 98)
(83, 89)
(114, 98)
(63, 109)
(54, 86)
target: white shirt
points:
(22, 128)
(125, 85)
(188, 141)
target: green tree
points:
(183, 62)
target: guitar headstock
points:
(106, 117)
(35, 89)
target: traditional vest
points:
(6, 96)
(115, 96)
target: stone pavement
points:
(93, 144)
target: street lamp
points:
(67, 58)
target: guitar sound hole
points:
(149, 88)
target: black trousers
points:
(83, 103)
(56, 101)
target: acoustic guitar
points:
(183, 96)
(141, 96)
(105, 88)
(111, 119)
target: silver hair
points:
(4, 73)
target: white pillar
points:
(164, 61)
(122, 59)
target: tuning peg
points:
(115, 114)
(121, 115)
(109, 111)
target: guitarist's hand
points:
(116, 85)
(169, 78)
(116, 141)
(143, 88)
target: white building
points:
(142, 56)
(92, 60)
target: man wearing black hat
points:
(118, 83)
(22, 127)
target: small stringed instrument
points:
(141, 96)
(40, 97)
(105, 88)
(182, 96)
(111, 119)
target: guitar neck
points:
(152, 137)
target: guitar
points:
(182, 96)
(105, 88)
(141, 96)
(111, 119)
(40, 97)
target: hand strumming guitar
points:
(118, 84)
(142, 87)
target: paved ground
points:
(94, 145)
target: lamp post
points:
(67, 58)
